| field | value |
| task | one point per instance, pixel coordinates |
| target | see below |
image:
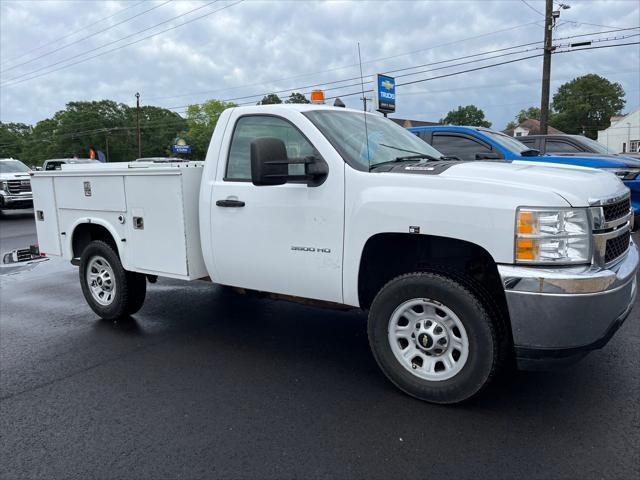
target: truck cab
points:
(461, 266)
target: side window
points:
(557, 146)
(53, 166)
(529, 142)
(461, 147)
(422, 135)
(251, 127)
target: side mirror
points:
(270, 165)
(487, 156)
(269, 162)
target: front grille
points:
(19, 186)
(616, 247)
(23, 254)
(617, 210)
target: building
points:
(403, 122)
(624, 133)
(530, 127)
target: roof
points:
(406, 123)
(533, 126)
(448, 128)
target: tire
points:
(111, 291)
(434, 338)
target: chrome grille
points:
(616, 247)
(619, 209)
(19, 186)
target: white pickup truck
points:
(462, 266)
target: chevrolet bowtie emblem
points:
(388, 84)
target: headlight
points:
(553, 236)
(624, 173)
(4, 186)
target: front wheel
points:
(110, 290)
(433, 338)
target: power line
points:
(355, 78)
(532, 8)
(181, 121)
(85, 38)
(8, 60)
(9, 82)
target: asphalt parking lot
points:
(203, 383)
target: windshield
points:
(385, 140)
(596, 146)
(510, 143)
(13, 166)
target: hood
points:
(14, 176)
(578, 186)
(587, 160)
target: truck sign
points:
(384, 97)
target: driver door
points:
(283, 239)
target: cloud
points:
(258, 46)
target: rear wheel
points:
(433, 338)
(110, 290)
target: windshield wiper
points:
(408, 158)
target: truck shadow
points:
(295, 339)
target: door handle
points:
(230, 203)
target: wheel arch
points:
(87, 230)
(388, 255)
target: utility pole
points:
(546, 66)
(138, 124)
(550, 17)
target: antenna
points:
(366, 130)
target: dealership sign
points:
(384, 95)
(180, 145)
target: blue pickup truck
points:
(478, 143)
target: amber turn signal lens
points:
(525, 249)
(525, 222)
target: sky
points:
(242, 50)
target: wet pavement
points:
(204, 383)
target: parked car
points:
(461, 266)
(56, 163)
(15, 185)
(479, 143)
(576, 145)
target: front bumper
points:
(560, 314)
(16, 201)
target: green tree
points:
(158, 129)
(201, 120)
(297, 97)
(270, 99)
(586, 104)
(468, 115)
(529, 113)
(13, 137)
(102, 125)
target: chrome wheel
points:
(428, 339)
(101, 280)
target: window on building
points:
(256, 126)
(634, 146)
(518, 134)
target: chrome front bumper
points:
(16, 200)
(559, 314)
